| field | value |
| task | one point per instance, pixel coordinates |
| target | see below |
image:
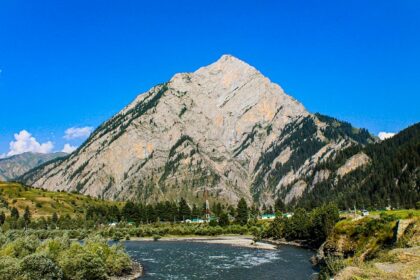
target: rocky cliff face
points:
(225, 128)
(17, 165)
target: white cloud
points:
(25, 142)
(68, 148)
(385, 135)
(78, 132)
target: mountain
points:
(17, 165)
(377, 175)
(224, 128)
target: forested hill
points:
(377, 175)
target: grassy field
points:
(400, 214)
(45, 203)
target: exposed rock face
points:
(225, 127)
(353, 163)
(15, 166)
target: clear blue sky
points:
(76, 63)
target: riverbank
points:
(137, 271)
(233, 240)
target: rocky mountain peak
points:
(225, 128)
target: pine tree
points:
(14, 214)
(195, 212)
(27, 217)
(54, 219)
(184, 211)
(223, 219)
(2, 218)
(242, 212)
(279, 206)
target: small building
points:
(195, 221)
(268, 217)
(288, 215)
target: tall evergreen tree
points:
(223, 219)
(279, 205)
(54, 219)
(242, 212)
(14, 214)
(195, 213)
(27, 217)
(184, 211)
(2, 218)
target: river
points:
(196, 260)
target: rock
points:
(353, 163)
(225, 128)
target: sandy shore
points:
(240, 241)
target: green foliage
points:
(313, 228)
(391, 179)
(299, 136)
(39, 267)
(27, 216)
(213, 223)
(337, 129)
(184, 210)
(156, 237)
(14, 214)
(333, 265)
(27, 257)
(242, 212)
(9, 268)
(224, 219)
(80, 264)
(2, 218)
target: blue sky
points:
(68, 64)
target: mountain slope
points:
(42, 203)
(225, 128)
(17, 165)
(377, 175)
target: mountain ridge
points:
(16, 165)
(224, 128)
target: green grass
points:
(43, 203)
(400, 214)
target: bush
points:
(117, 262)
(26, 257)
(9, 268)
(77, 264)
(333, 264)
(21, 247)
(53, 247)
(156, 237)
(40, 267)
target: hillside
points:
(224, 128)
(17, 165)
(373, 248)
(377, 175)
(45, 203)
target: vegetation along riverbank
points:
(42, 227)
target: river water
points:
(196, 260)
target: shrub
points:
(21, 247)
(9, 268)
(77, 264)
(37, 266)
(53, 247)
(117, 262)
